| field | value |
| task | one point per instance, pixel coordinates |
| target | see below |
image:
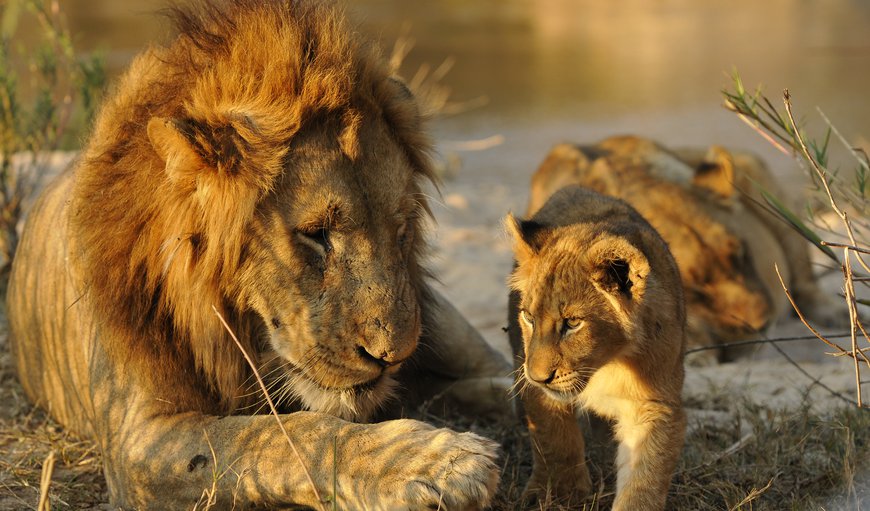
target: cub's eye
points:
(318, 240)
(527, 318)
(571, 325)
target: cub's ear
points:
(715, 173)
(528, 236)
(189, 147)
(619, 269)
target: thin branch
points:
(822, 173)
(849, 288)
(815, 380)
(848, 247)
(751, 342)
(810, 327)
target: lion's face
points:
(716, 263)
(332, 271)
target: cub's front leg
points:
(649, 448)
(559, 472)
(169, 462)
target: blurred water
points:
(580, 70)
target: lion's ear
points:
(189, 147)
(620, 270)
(528, 236)
(173, 147)
(715, 173)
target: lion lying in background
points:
(265, 164)
(704, 205)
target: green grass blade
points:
(786, 214)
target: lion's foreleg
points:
(458, 348)
(172, 462)
(468, 372)
(648, 453)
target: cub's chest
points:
(613, 392)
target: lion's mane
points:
(157, 248)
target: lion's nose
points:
(382, 358)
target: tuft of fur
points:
(162, 231)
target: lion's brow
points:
(331, 217)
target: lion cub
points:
(597, 320)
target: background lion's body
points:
(707, 206)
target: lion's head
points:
(267, 163)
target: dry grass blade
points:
(753, 495)
(272, 407)
(45, 483)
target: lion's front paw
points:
(426, 468)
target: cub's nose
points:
(541, 375)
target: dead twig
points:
(751, 342)
(819, 336)
(45, 483)
(848, 250)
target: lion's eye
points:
(405, 233)
(571, 325)
(318, 240)
(527, 318)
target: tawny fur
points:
(707, 206)
(265, 163)
(597, 322)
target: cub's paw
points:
(425, 468)
(567, 490)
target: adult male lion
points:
(707, 207)
(266, 164)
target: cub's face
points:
(577, 302)
(332, 271)
(569, 330)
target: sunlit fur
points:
(264, 163)
(707, 207)
(597, 321)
